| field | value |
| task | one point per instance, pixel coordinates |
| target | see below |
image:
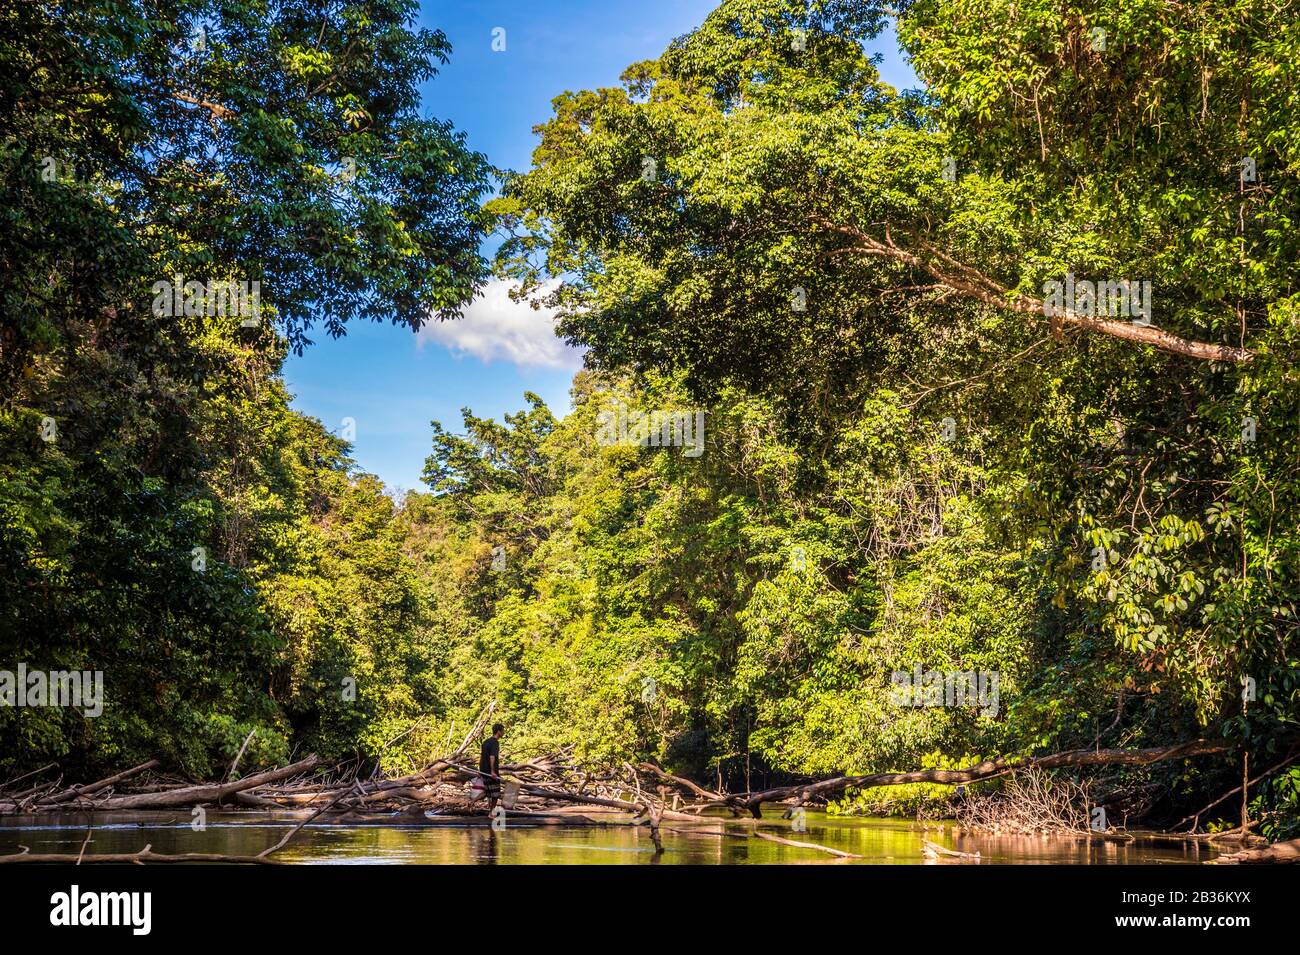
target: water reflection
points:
(876, 841)
(483, 846)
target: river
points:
(875, 840)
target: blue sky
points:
(393, 383)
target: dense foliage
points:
(164, 516)
(1102, 509)
(907, 465)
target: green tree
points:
(160, 505)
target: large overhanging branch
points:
(975, 284)
(752, 802)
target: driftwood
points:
(550, 788)
(148, 855)
(989, 769)
(1277, 853)
(211, 792)
(543, 783)
(757, 834)
(932, 850)
(679, 781)
(1030, 801)
(78, 791)
(623, 804)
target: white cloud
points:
(496, 328)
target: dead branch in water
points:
(932, 851)
(1278, 853)
(139, 858)
(210, 792)
(148, 855)
(543, 787)
(78, 791)
(1031, 801)
(989, 769)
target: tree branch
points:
(975, 284)
(985, 770)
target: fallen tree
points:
(148, 855)
(543, 787)
(78, 791)
(544, 782)
(211, 792)
(752, 801)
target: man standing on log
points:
(489, 765)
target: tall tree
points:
(756, 208)
(159, 502)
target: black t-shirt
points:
(491, 747)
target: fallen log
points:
(210, 792)
(932, 850)
(148, 855)
(989, 769)
(78, 791)
(439, 786)
(562, 796)
(686, 784)
(28, 801)
(1277, 853)
(258, 802)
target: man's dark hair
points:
(498, 728)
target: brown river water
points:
(876, 840)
